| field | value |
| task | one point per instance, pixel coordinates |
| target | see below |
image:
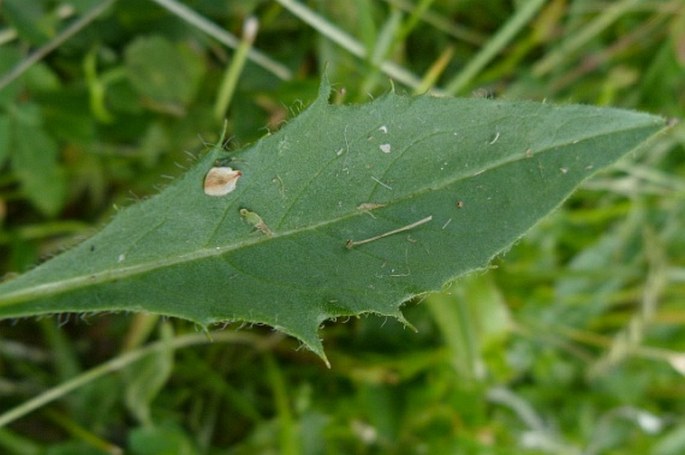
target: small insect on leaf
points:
(256, 221)
(220, 181)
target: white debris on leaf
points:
(385, 148)
(220, 181)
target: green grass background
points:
(572, 343)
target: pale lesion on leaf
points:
(221, 180)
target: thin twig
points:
(352, 243)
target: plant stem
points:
(233, 71)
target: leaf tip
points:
(324, 88)
(400, 317)
(313, 343)
(222, 138)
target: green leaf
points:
(347, 210)
(9, 57)
(145, 378)
(160, 440)
(34, 157)
(162, 71)
(30, 20)
(4, 138)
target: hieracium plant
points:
(346, 210)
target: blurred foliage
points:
(572, 343)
